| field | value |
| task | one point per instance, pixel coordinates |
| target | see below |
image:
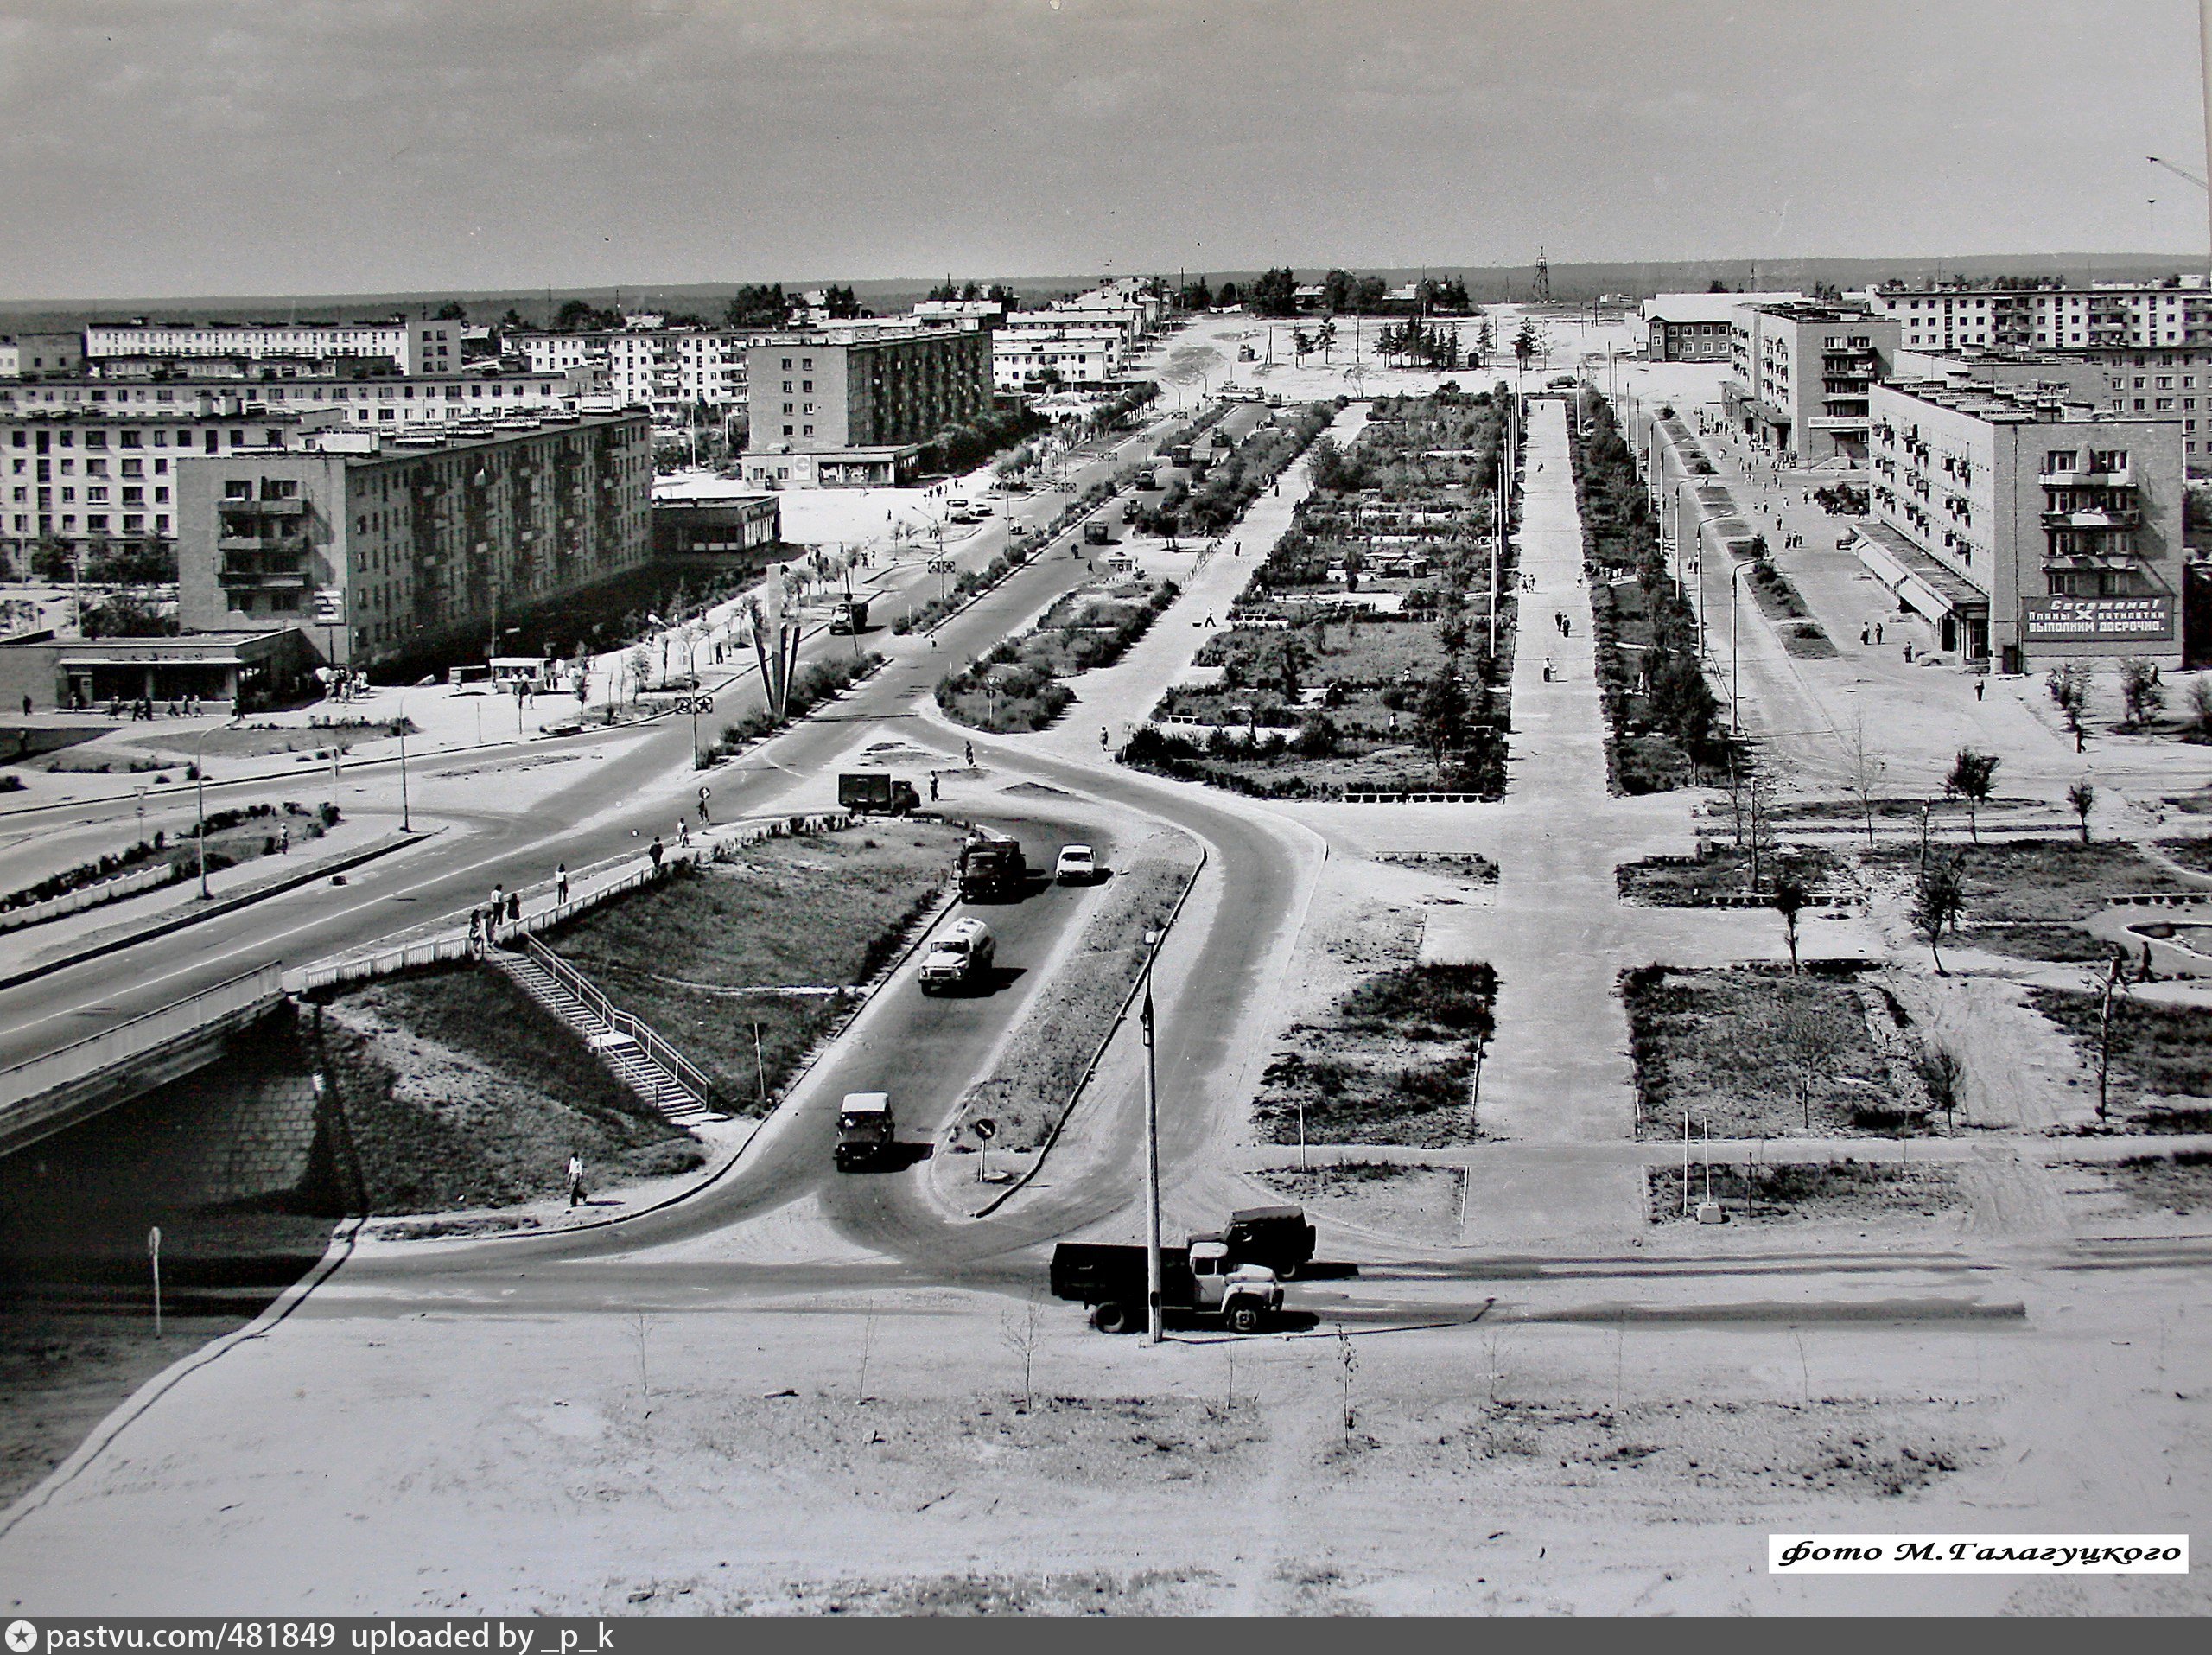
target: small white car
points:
(1077, 865)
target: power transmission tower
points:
(1542, 292)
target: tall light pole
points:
(1153, 1277)
(1735, 665)
(406, 825)
(199, 800)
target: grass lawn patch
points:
(1755, 1051)
(2180, 1183)
(2060, 880)
(1721, 869)
(707, 959)
(2158, 1051)
(1061, 1028)
(1805, 640)
(461, 1090)
(1801, 1191)
(1016, 688)
(1395, 1061)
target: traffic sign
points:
(986, 1129)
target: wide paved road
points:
(608, 811)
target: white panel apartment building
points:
(1030, 353)
(669, 370)
(2105, 315)
(417, 347)
(2026, 526)
(370, 402)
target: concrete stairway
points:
(639, 1059)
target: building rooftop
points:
(2014, 405)
(1811, 310)
(1706, 306)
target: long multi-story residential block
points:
(385, 549)
(1801, 375)
(85, 478)
(1694, 326)
(2104, 316)
(2026, 526)
(418, 346)
(366, 400)
(852, 405)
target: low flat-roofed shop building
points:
(393, 548)
(719, 526)
(852, 406)
(240, 671)
(2025, 526)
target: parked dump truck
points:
(865, 1131)
(1097, 532)
(1281, 1238)
(878, 790)
(991, 864)
(1199, 1280)
(960, 959)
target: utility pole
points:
(1153, 1279)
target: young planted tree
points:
(1939, 900)
(2082, 796)
(1973, 777)
(2140, 692)
(2200, 705)
(1863, 768)
(1812, 1039)
(1441, 715)
(2069, 683)
(1942, 1073)
(1790, 900)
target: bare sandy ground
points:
(744, 1449)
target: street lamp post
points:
(1735, 667)
(1152, 1268)
(406, 825)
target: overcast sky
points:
(190, 147)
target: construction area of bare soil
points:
(1419, 1202)
(1762, 1051)
(1034, 1078)
(1750, 1193)
(459, 1091)
(1395, 1060)
(748, 963)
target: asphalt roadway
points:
(612, 809)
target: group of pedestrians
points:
(504, 909)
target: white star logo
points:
(22, 1637)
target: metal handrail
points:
(595, 999)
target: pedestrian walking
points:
(1865, 635)
(576, 1195)
(283, 838)
(933, 786)
(1907, 653)
(1980, 685)
(514, 907)
(656, 851)
(969, 750)
(1101, 738)
(475, 930)
(683, 833)
(560, 883)
(1877, 633)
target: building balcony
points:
(261, 544)
(276, 508)
(274, 577)
(2113, 518)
